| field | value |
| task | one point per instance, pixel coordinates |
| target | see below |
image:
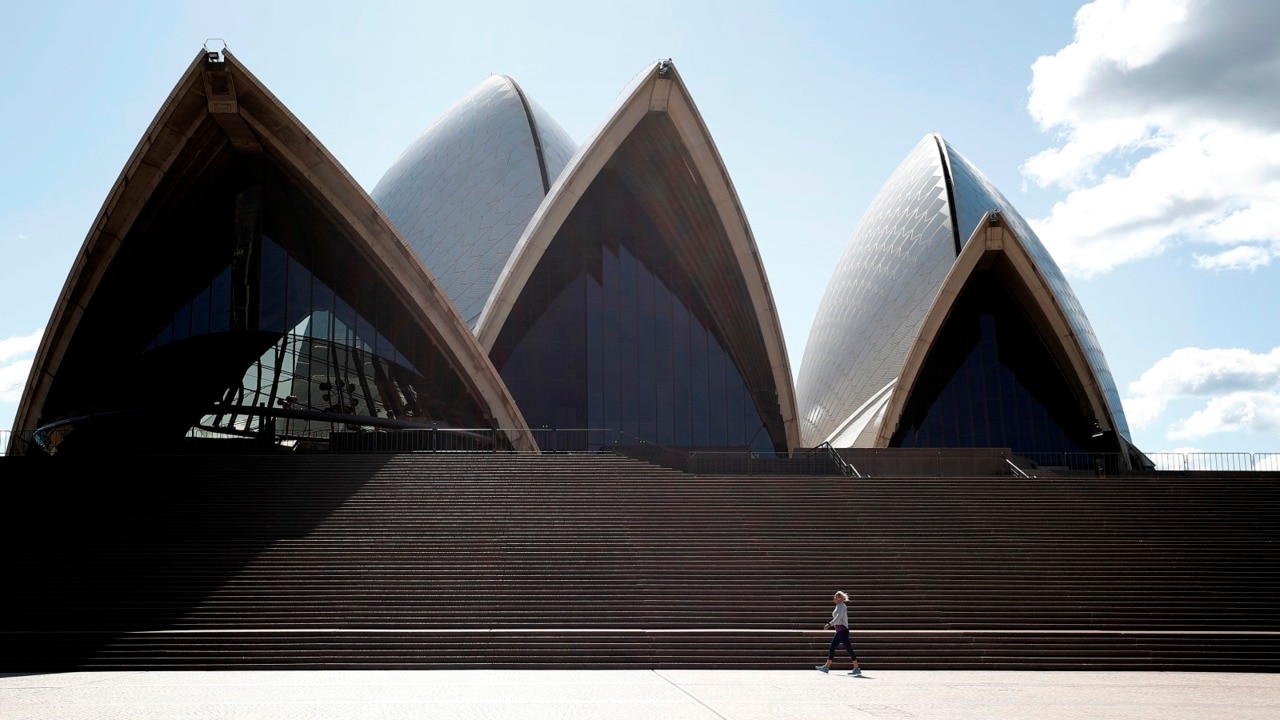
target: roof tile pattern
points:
(878, 295)
(464, 190)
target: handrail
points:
(846, 468)
(1016, 470)
(574, 440)
(634, 447)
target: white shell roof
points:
(878, 295)
(463, 191)
(886, 280)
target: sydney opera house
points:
(501, 281)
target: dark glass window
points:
(314, 344)
(271, 288)
(272, 305)
(200, 313)
(220, 302)
(209, 311)
(182, 323)
(609, 334)
(298, 296)
(989, 381)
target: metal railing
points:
(921, 462)
(421, 440)
(1015, 470)
(451, 439)
(725, 462)
(713, 462)
(1073, 463)
(651, 452)
(377, 436)
(574, 440)
(846, 468)
(1215, 462)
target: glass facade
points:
(333, 340)
(276, 314)
(329, 358)
(988, 381)
(611, 332)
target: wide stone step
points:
(394, 561)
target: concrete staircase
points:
(499, 560)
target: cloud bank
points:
(1168, 128)
(15, 364)
(1239, 391)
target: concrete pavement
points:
(621, 694)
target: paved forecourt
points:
(620, 694)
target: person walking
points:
(840, 623)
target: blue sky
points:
(1141, 138)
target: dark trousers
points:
(841, 638)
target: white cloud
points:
(15, 365)
(1240, 390)
(1197, 372)
(1143, 411)
(1169, 128)
(1188, 450)
(21, 345)
(1244, 257)
(13, 377)
(1243, 411)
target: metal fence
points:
(1072, 463)
(803, 462)
(1107, 464)
(1216, 462)
(440, 440)
(702, 462)
(919, 462)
